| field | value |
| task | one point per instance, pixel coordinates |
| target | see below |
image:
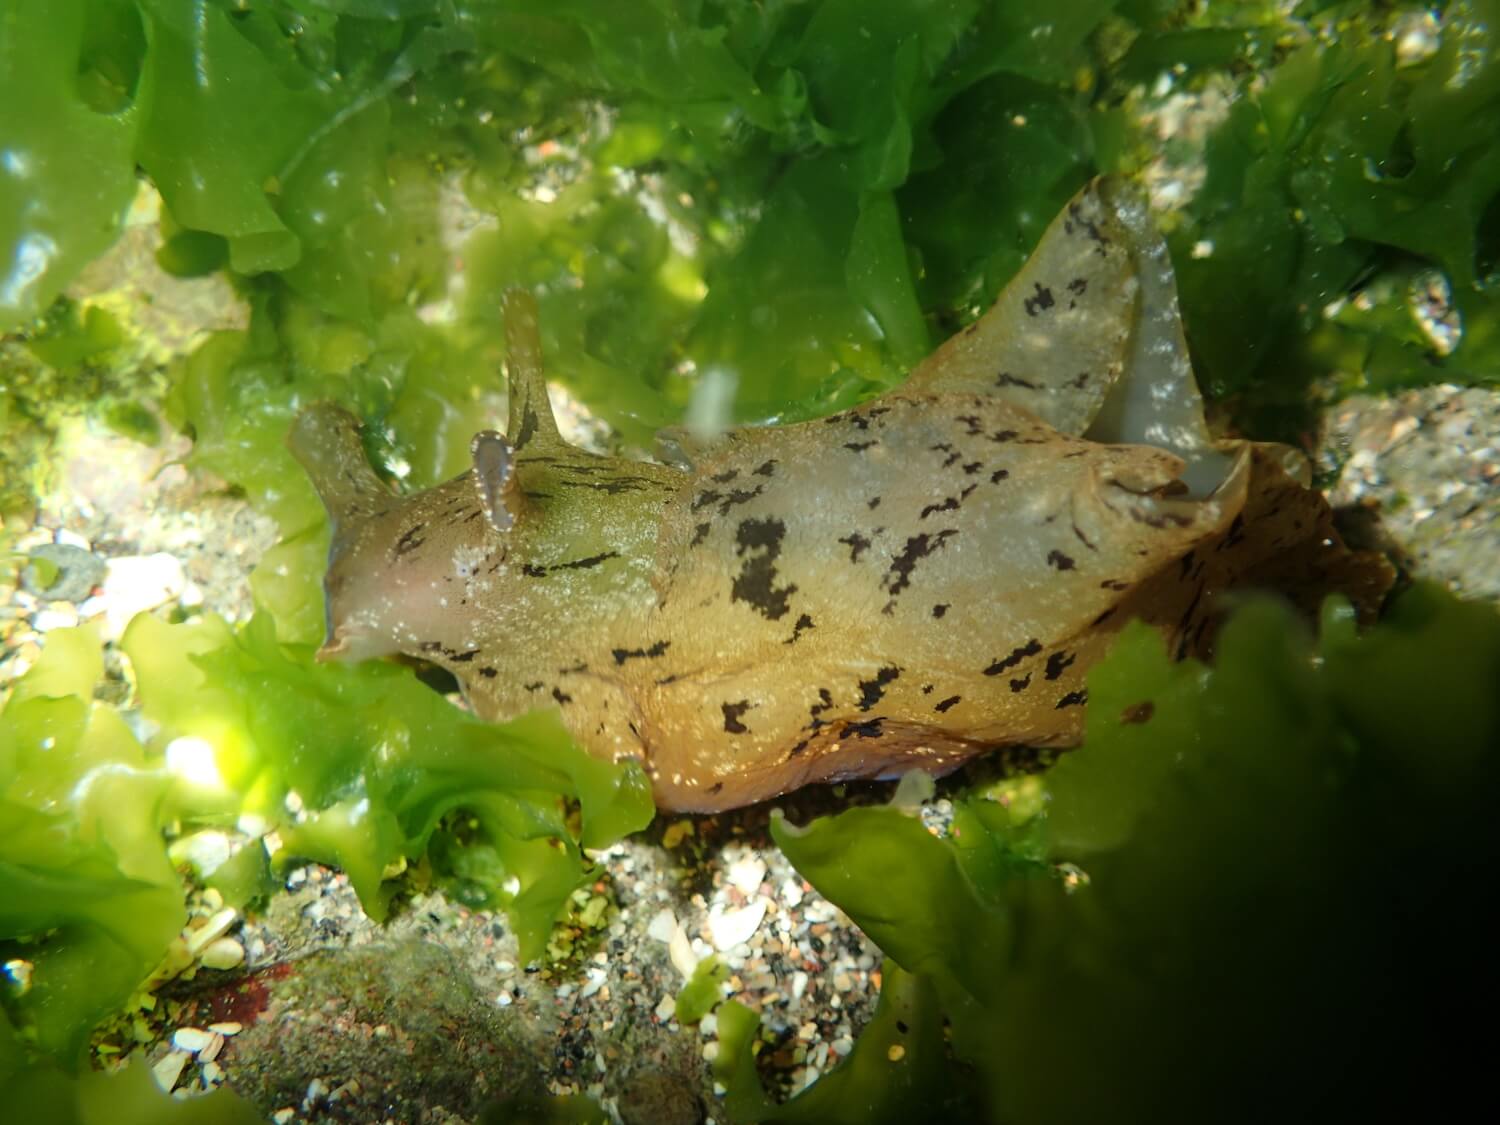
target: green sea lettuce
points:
(764, 213)
(381, 768)
(798, 198)
(703, 990)
(66, 170)
(1244, 877)
(377, 763)
(898, 1071)
(45, 1094)
(88, 900)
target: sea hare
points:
(905, 584)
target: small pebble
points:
(684, 959)
(136, 583)
(663, 925)
(747, 873)
(317, 1090)
(205, 852)
(59, 617)
(77, 571)
(226, 953)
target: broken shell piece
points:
(215, 928)
(169, 1069)
(663, 925)
(730, 928)
(191, 1039)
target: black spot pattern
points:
(613, 486)
(1058, 662)
(856, 544)
(584, 564)
(725, 501)
(918, 547)
(528, 426)
(535, 570)
(732, 714)
(803, 624)
(758, 541)
(871, 691)
(623, 654)
(952, 454)
(1039, 301)
(1006, 379)
(1030, 648)
(410, 539)
(824, 703)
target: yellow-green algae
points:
(377, 762)
(1245, 891)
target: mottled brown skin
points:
(902, 585)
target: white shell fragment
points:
(191, 1039)
(729, 928)
(168, 1069)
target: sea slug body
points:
(905, 584)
